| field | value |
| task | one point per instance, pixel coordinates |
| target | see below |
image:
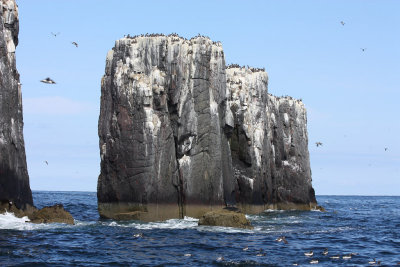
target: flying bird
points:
(48, 80)
(55, 34)
(342, 22)
(363, 49)
(386, 148)
(318, 144)
(46, 162)
(75, 44)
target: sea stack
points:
(14, 179)
(181, 134)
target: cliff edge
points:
(182, 134)
(14, 179)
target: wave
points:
(186, 223)
(8, 221)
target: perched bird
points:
(281, 239)
(346, 257)
(188, 255)
(48, 80)
(75, 44)
(342, 22)
(246, 248)
(295, 264)
(372, 262)
(314, 262)
(55, 34)
(318, 144)
(363, 49)
(220, 258)
(325, 252)
(309, 254)
(46, 162)
(335, 257)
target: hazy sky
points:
(352, 97)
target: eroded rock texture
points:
(14, 179)
(269, 143)
(180, 134)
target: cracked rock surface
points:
(181, 134)
(14, 179)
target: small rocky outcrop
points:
(50, 214)
(14, 179)
(182, 134)
(225, 218)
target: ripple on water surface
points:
(363, 225)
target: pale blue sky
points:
(352, 97)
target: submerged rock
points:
(225, 218)
(181, 134)
(14, 179)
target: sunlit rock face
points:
(14, 179)
(181, 134)
(269, 143)
(160, 127)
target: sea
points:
(366, 227)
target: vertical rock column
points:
(247, 94)
(14, 179)
(269, 144)
(289, 157)
(162, 113)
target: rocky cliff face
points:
(269, 143)
(180, 134)
(14, 179)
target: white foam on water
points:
(186, 223)
(9, 221)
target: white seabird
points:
(309, 254)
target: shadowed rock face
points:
(180, 134)
(14, 179)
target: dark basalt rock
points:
(225, 218)
(14, 179)
(181, 134)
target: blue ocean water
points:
(368, 227)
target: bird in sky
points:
(55, 34)
(318, 144)
(75, 44)
(363, 49)
(48, 80)
(46, 162)
(386, 148)
(342, 22)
